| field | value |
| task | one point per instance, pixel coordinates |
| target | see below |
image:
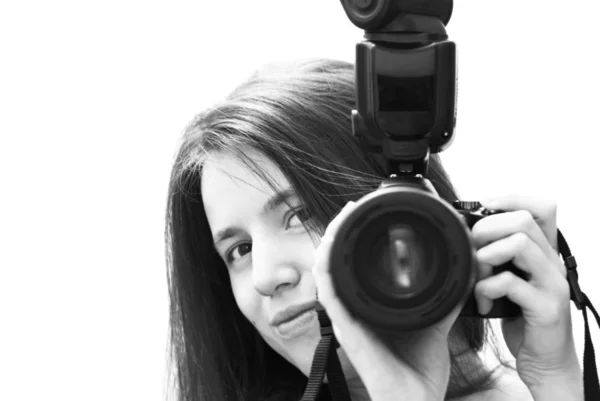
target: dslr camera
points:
(404, 257)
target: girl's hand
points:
(541, 340)
(411, 366)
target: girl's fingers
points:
(528, 257)
(506, 284)
(498, 226)
(524, 254)
(321, 267)
(325, 292)
(544, 212)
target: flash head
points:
(405, 81)
(372, 15)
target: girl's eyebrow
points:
(274, 202)
(278, 199)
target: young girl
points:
(260, 183)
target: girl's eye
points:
(238, 252)
(298, 217)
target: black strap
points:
(591, 385)
(326, 358)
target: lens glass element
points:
(399, 256)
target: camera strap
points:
(591, 386)
(326, 359)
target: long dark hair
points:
(298, 115)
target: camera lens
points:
(402, 259)
(396, 258)
(400, 268)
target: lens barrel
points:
(402, 259)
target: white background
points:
(94, 96)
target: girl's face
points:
(268, 253)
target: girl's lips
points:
(297, 326)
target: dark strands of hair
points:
(298, 116)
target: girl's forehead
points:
(262, 169)
(225, 177)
